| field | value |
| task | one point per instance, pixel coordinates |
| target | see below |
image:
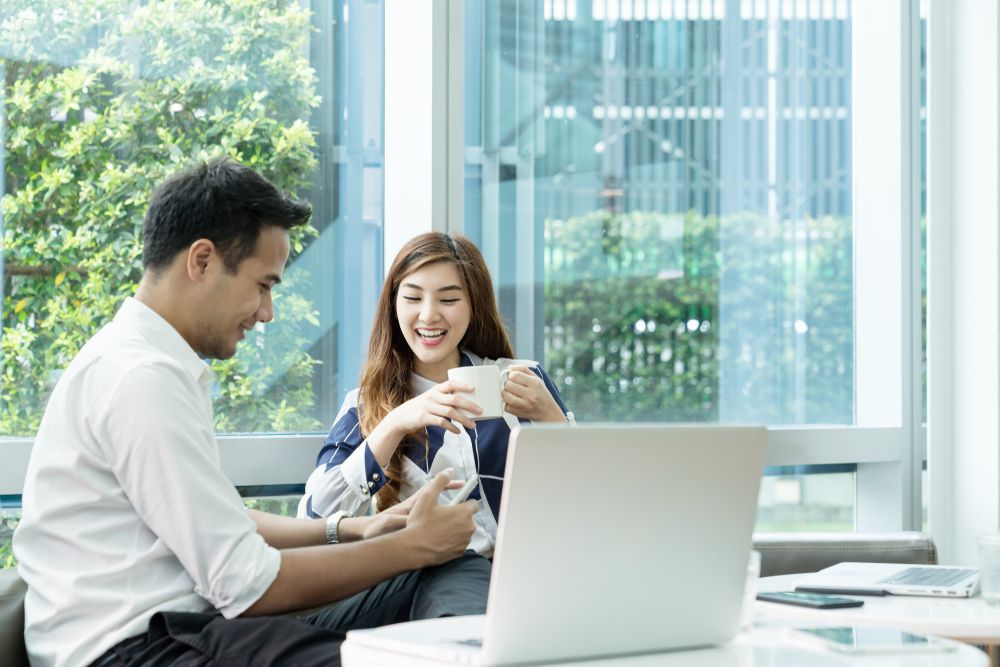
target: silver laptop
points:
(613, 539)
(892, 579)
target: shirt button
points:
(371, 484)
(374, 475)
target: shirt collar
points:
(159, 333)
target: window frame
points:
(263, 459)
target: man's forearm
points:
(314, 576)
(285, 532)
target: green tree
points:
(101, 100)
(635, 304)
(622, 291)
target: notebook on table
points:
(613, 539)
(892, 579)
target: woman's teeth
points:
(431, 335)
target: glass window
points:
(807, 498)
(103, 98)
(663, 191)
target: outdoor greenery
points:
(8, 522)
(101, 99)
(651, 317)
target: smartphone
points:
(464, 492)
(872, 639)
(812, 600)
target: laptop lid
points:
(620, 538)
(613, 539)
(893, 579)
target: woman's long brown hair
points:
(386, 376)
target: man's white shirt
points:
(126, 511)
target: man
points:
(135, 547)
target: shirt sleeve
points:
(166, 460)
(347, 474)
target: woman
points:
(405, 422)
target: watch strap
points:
(333, 526)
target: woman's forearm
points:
(383, 441)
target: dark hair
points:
(385, 378)
(220, 200)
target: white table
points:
(761, 647)
(965, 619)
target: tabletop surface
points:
(760, 647)
(966, 619)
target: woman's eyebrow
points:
(446, 288)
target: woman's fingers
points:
(521, 375)
(522, 381)
(510, 396)
(447, 425)
(460, 403)
(450, 387)
(457, 408)
(524, 387)
(461, 418)
(446, 419)
(514, 389)
(515, 405)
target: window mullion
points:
(415, 124)
(882, 344)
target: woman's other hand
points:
(526, 396)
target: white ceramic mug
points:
(488, 382)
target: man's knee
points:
(456, 588)
(469, 564)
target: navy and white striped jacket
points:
(347, 475)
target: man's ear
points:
(200, 254)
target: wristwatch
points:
(332, 524)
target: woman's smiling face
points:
(433, 309)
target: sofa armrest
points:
(791, 553)
(12, 590)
